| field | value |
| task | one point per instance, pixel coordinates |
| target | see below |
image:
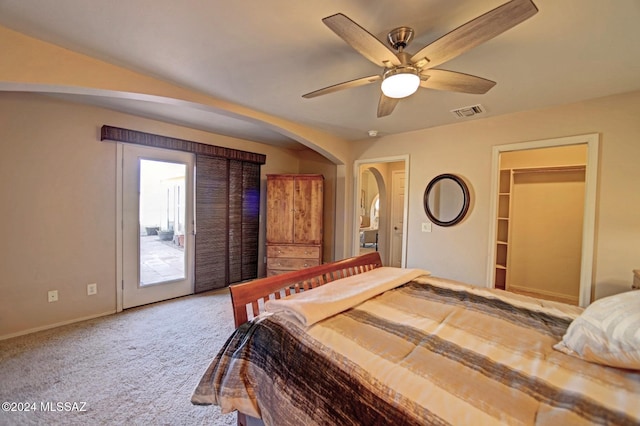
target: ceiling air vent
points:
(469, 111)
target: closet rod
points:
(549, 169)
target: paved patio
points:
(160, 261)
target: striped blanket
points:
(431, 351)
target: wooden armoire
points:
(294, 222)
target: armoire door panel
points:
(280, 210)
(307, 223)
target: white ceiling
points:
(265, 54)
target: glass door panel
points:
(162, 221)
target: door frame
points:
(120, 160)
(119, 224)
(357, 184)
(589, 216)
(394, 181)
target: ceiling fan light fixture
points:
(400, 82)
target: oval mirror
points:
(446, 200)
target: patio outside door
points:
(157, 225)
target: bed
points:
(352, 342)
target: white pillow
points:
(607, 332)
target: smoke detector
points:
(373, 133)
(469, 111)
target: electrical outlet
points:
(426, 227)
(92, 289)
(53, 296)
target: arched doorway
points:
(372, 214)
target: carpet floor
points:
(138, 367)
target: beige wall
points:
(460, 252)
(545, 233)
(58, 191)
(570, 155)
(30, 64)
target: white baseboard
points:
(58, 324)
(567, 297)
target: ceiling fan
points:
(404, 73)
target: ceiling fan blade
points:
(456, 82)
(361, 40)
(341, 86)
(474, 33)
(386, 105)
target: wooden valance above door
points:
(227, 206)
(149, 139)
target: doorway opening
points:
(380, 208)
(372, 185)
(543, 210)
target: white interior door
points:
(397, 217)
(157, 225)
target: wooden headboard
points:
(248, 298)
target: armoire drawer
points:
(306, 252)
(290, 264)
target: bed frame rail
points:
(248, 298)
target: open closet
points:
(540, 222)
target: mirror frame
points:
(465, 201)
